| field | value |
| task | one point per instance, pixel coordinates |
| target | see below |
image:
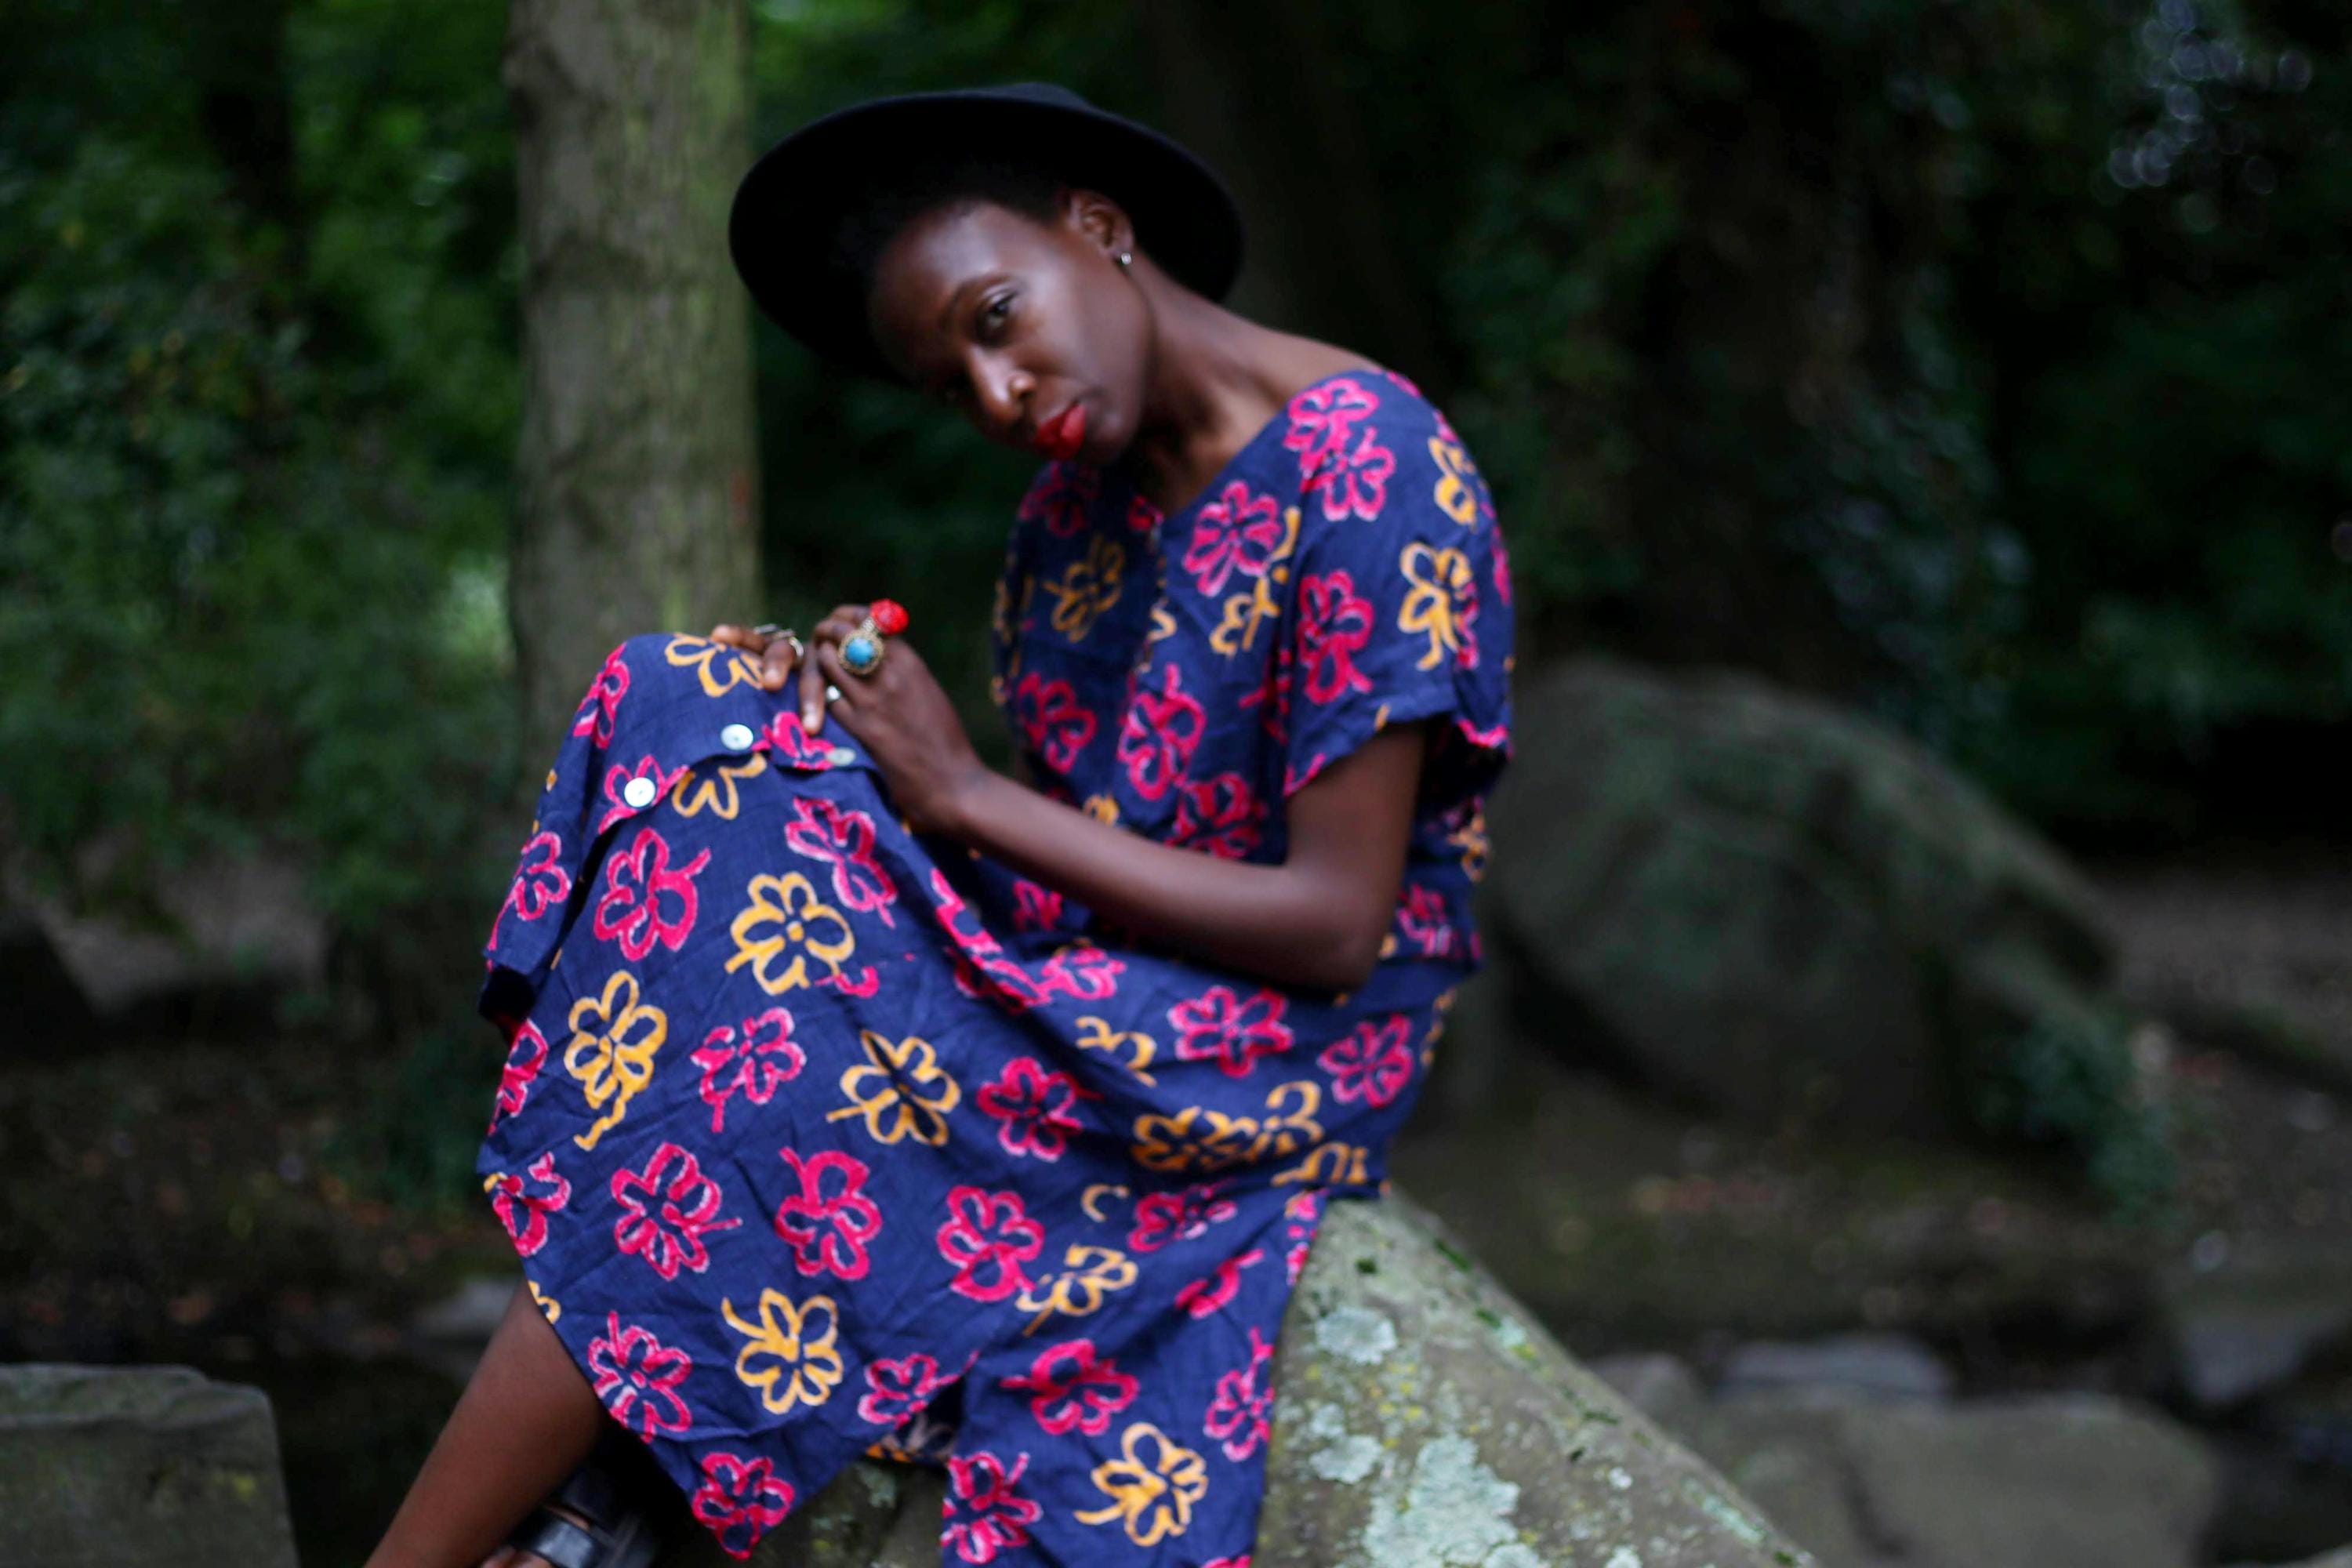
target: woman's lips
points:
(1061, 435)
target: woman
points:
(860, 1098)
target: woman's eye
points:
(999, 310)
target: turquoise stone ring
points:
(861, 654)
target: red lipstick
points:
(1060, 437)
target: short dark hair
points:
(907, 193)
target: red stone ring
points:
(862, 651)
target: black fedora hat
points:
(792, 202)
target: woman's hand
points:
(904, 719)
(773, 650)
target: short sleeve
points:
(1403, 610)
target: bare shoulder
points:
(1305, 361)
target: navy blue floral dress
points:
(819, 1137)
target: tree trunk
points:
(637, 466)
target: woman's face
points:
(1030, 329)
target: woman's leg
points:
(525, 1421)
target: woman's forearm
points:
(1278, 921)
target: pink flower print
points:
(740, 1500)
(1236, 533)
(1238, 1414)
(1062, 496)
(988, 1236)
(671, 1206)
(1069, 1387)
(1294, 1262)
(1333, 622)
(1219, 1285)
(792, 744)
(1164, 1217)
(526, 1054)
(896, 1390)
(1374, 1063)
(1324, 418)
(637, 1376)
(750, 1060)
(1142, 517)
(1421, 912)
(540, 882)
(617, 780)
(981, 968)
(523, 1203)
(844, 839)
(634, 885)
(1272, 698)
(1053, 723)
(1355, 484)
(1502, 567)
(829, 1221)
(983, 1515)
(1219, 816)
(1080, 969)
(1035, 907)
(1241, 1562)
(1220, 1026)
(1033, 1106)
(603, 698)
(1162, 728)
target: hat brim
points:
(792, 202)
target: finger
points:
(843, 620)
(733, 636)
(846, 705)
(812, 689)
(776, 664)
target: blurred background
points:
(1924, 435)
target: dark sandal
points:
(632, 1513)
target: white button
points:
(840, 755)
(639, 792)
(736, 737)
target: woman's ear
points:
(1101, 220)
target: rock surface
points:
(2056, 1481)
(1767, 905)
(1424, 1421)
(142, 1466)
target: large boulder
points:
(140, 1467)
(1767, 905)
(1424, 1421)
(1868, 1481)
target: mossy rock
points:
(1424, 1421)
(1772, 907)
(127, 1467)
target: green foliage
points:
(2072, 1081)
(251, 529)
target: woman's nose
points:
(1007, 394)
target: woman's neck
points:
(1214, 381)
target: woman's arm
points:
(1315, 920)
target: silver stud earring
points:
(1125, 256)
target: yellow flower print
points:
(692, 796)
(613, 1038)
(722, 669)
(1088, 587)
(901, 1089)
(799, 927)
(1152, 1486)
(790, 1357)
(1090, 1274)
(1471, 839)
(1164, 624)
(1102, 808)
(1133, 1048)
(1197, 1138)
(1455, 495)
(1441, 579)
(1327, 1164)
(549, 1307)
(1244, 613)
